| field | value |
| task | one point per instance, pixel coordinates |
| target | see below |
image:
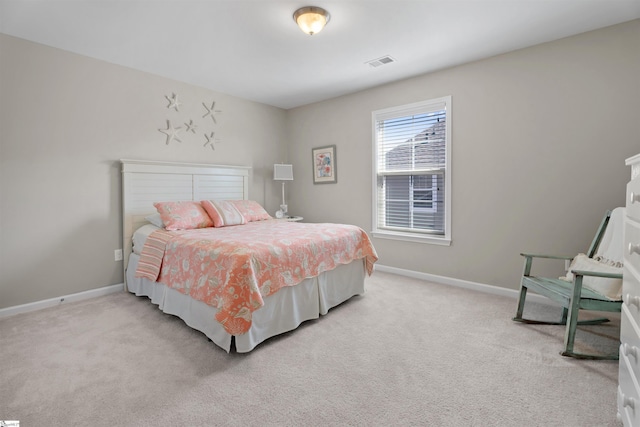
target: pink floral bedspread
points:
(234, 268)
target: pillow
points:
(183, 215)
(611, 288)
(223, 213)
(140, 237)
(155, 219)
(251, 210)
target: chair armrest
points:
(565, 257)
(597, 274)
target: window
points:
(412, 168)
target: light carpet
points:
(407, 352)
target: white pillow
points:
(155, 219)
(140, 237)
(610, 288)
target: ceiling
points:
(252, 49)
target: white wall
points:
(539, 138)
(65, 121)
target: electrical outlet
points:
(117, 254)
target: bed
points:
(272, 313)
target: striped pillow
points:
(223, 213)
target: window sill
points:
(412, 237)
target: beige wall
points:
(65, 121)
(539, 139)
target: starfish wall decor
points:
(191, 127)
(171, 132)
(211, 139)
(211, 111)
(173, 102)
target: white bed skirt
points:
(283, 311)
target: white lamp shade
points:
(283, 172)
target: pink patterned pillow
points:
(223, 213)
(251, 210)
(183, 215)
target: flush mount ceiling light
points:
(311, 19)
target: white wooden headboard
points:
(146, 182)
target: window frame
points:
(402, 111)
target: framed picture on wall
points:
(324, 165)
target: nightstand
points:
(292, 218)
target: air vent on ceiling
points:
(380, 61)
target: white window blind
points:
(411, 167)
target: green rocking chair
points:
(573, 296)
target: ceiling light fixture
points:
(311, 19)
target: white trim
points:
(411, 237)
(52, 302)
(392, 112)
(152, 166)
(633, 159)
(634, 162)
(474, 286)
(434, 104)
(106, 290)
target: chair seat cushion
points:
(609, 288)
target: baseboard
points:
(481, 287)
(39, 305)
